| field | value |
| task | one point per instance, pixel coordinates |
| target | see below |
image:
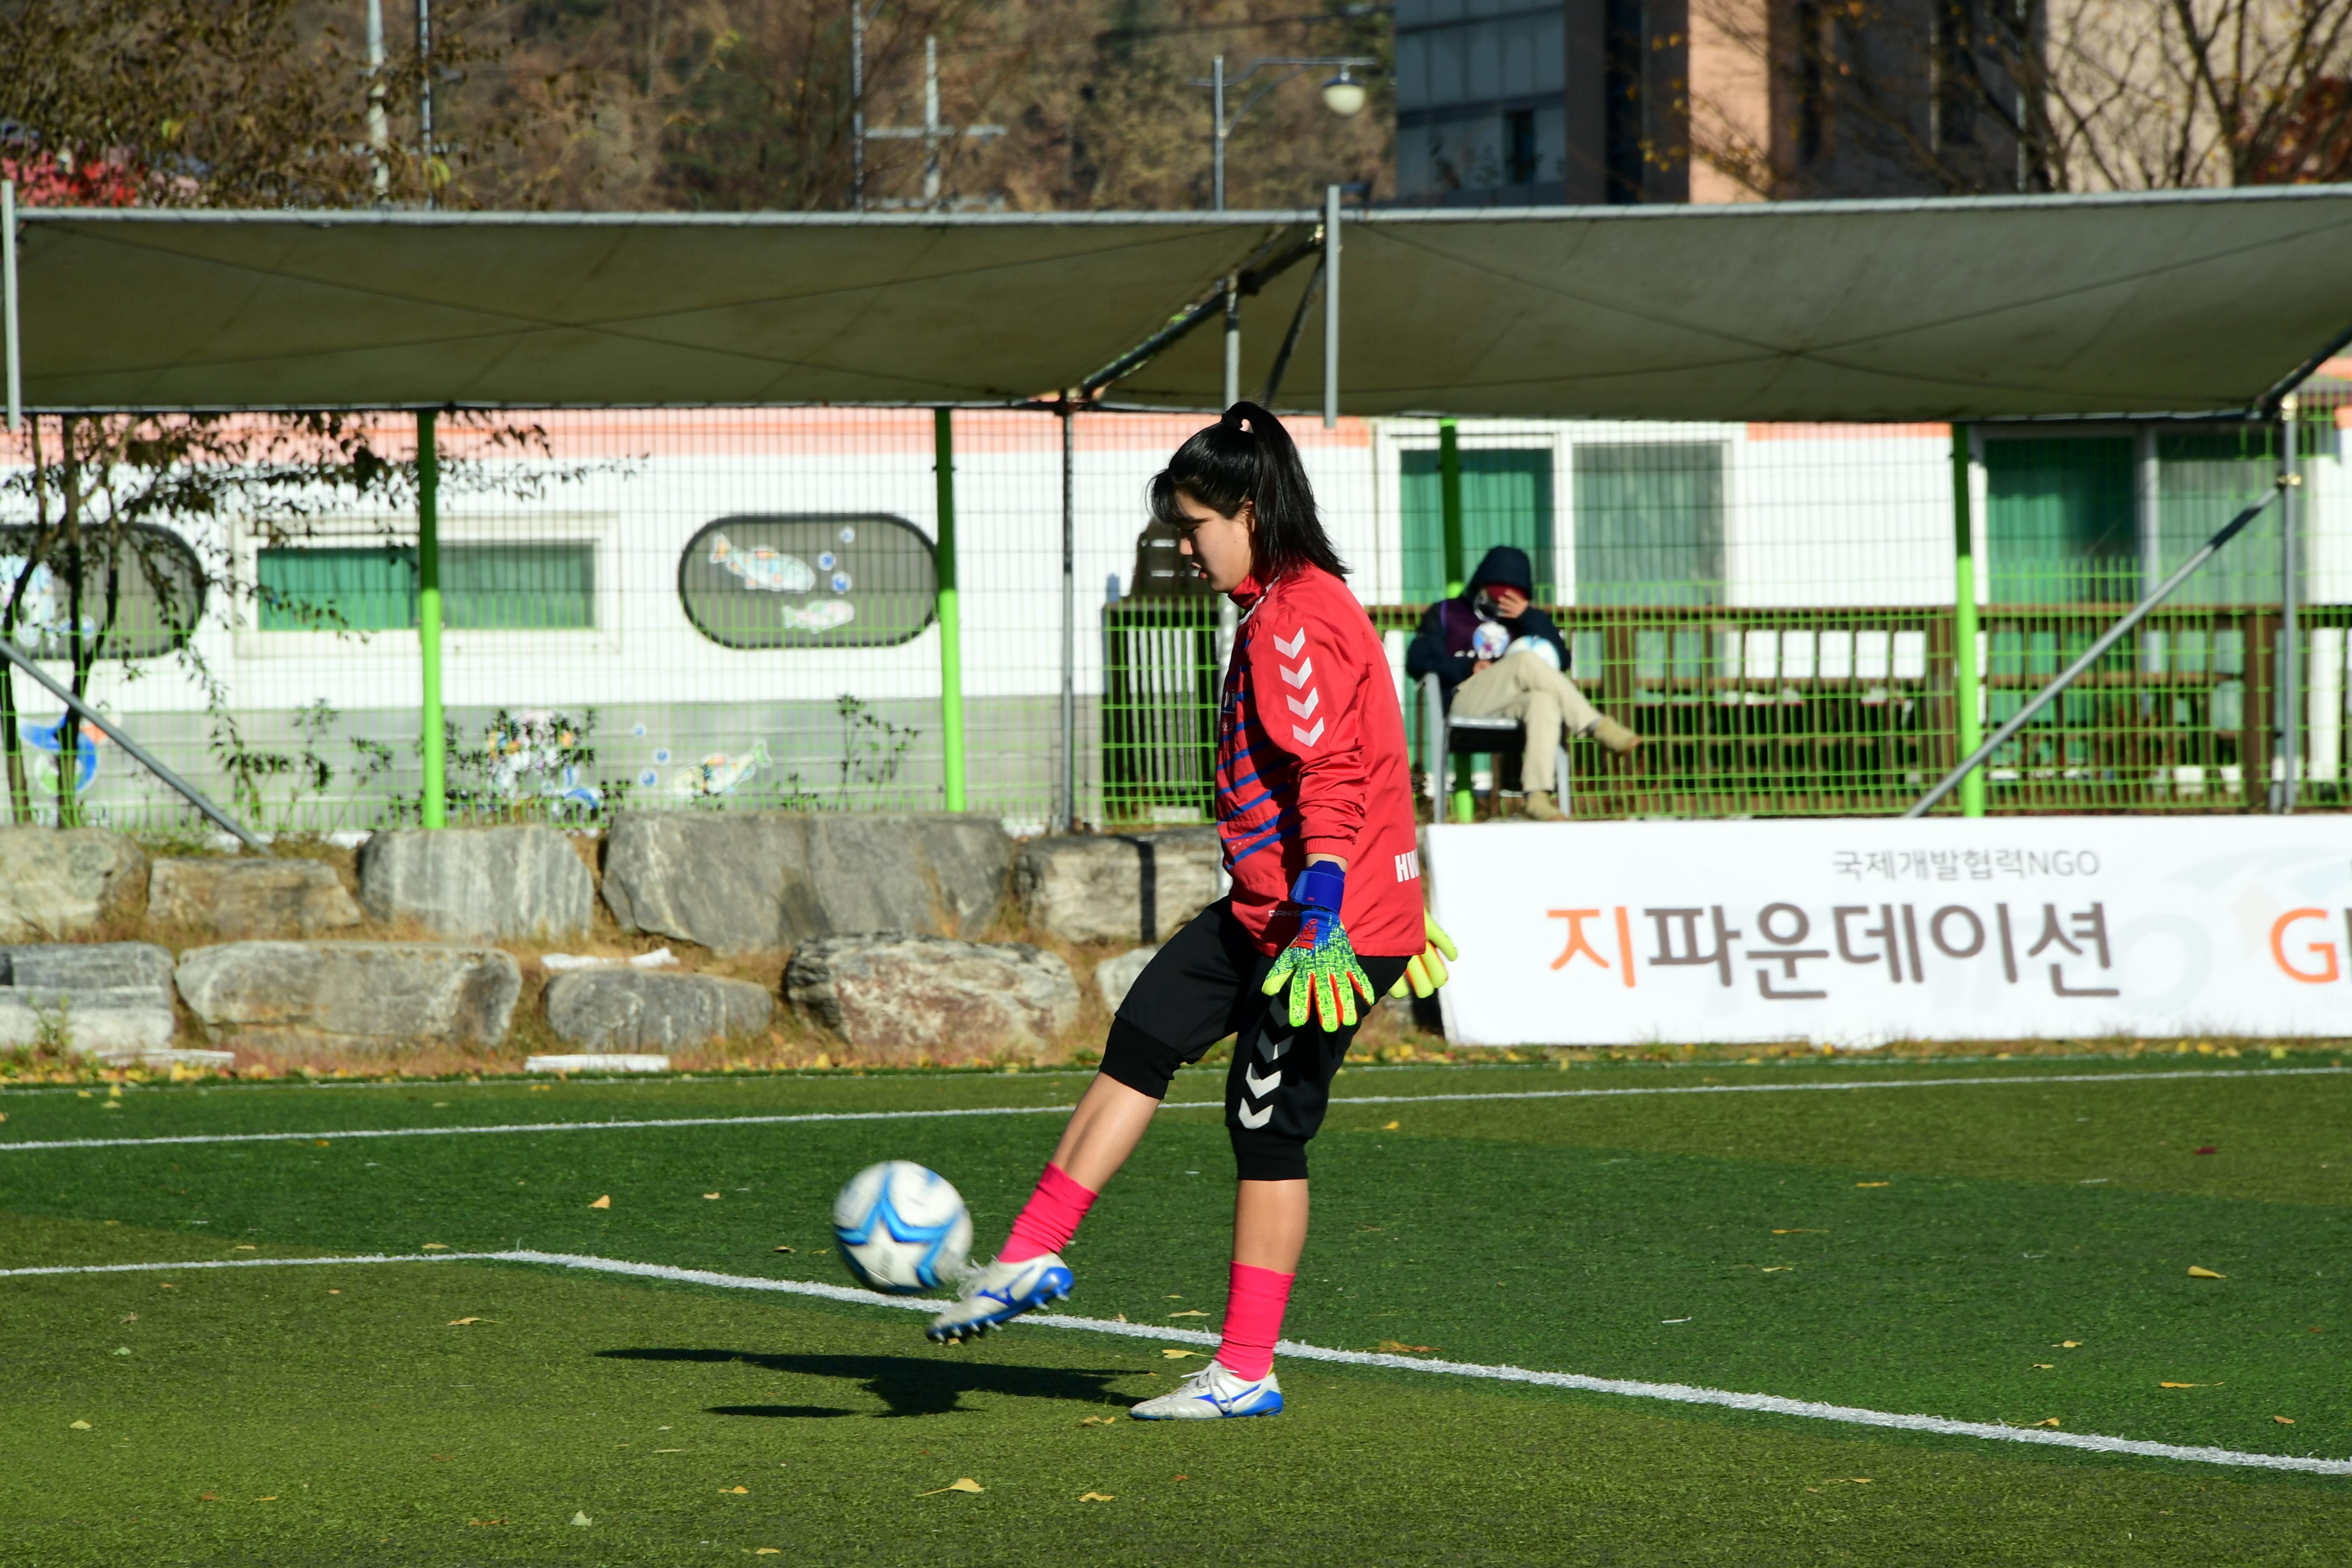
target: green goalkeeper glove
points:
(1425, 971)
(1320, 964)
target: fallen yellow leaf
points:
(1097, 1497)
(604, 1203)
(2070, 1344)
(2283, 1420)
(2045, 1366)
(965, 1484)
(81, 1426)
(1100, 1421)
(1800, 1233)
(1389, 1128)
(321, 1142)
(542, 1089)
(780, 1250)
(1874, 1183)
(1398, 1347)
(738, 1491)
(710, 1195)
(1177, 1354)
(461, 1322)
(2196, 1272)
(243, 1247)
(767, 1550)
(2188, 1385)
(1189, 1312)
(582, 1519)
(2052, 1421)
(436, 1246)
(1777, 1269)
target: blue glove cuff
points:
(1322, 886)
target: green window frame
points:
(1507, 499)
(547, 585)
(2062, 519)
(1650, 522)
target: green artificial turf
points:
(1996, 1224)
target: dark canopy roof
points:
(2182, 302)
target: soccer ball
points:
(901, 1228)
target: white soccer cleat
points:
(999, 1293)
(1213, 1393)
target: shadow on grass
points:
(910, 1385)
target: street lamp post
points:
(1343, 95)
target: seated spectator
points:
(1498, 657)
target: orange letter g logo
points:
(2325, 950)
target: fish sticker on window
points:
(767, 570)
(820, 614)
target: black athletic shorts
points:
(1199, 988)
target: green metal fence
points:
(844, 609)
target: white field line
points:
(1673, 1393)
(811, 1116)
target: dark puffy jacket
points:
(1441, 647)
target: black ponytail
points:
(1247, 456)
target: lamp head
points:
(1343, 95)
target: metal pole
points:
(435, 804)
(1331, 307)
(187, 792)
(931, 127)
(1233, 341)
(1967, 680)
(1449, 503)
(1068, 808)
(950, 611)
(424, 94)
(379, 126)
(1449, 512)
(2092, 655)
(8, 304)
(858, 104)
(2289, 663)
(1217, 134)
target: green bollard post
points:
(951, 614)
(1968, 690)
(435, 804)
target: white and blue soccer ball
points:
(901, 1228)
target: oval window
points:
(779, 581)
(153, 578)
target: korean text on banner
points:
(1855, 933)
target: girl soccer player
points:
(1314, 809)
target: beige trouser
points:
(1527, 688)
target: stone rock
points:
(72, 966)
(478, 884)
(103, 999)
(625, 1010)
(56, 884)
(361, 995)
(249, 897)
(753, 881)
(899, 996)
(1126, 888)
(1116, 976)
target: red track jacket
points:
(1311, 760)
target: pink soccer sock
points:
(1254, 1306)
(1049, 1219)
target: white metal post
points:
(1331, 307)
(1217, 136)
(425, 95)
(379, 127)
(858, 104)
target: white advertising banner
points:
(1860, 930)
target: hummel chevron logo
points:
(1298, 640)
(1307, 737)
(1305, 709)
(1301, 676)
(1260, 1088)
(1253, 1119)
